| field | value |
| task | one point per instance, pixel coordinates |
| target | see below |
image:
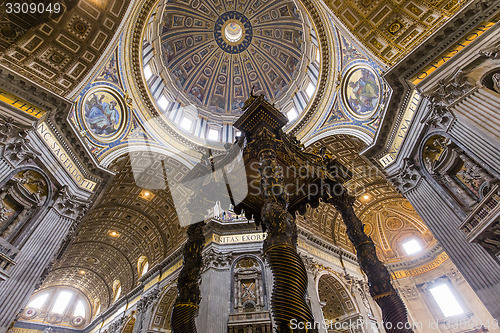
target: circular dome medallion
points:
(361, 92)
(233, 32)
(104, 114)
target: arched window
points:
(79, 310)
(39, 301)
(117, 290)
(66, 304)
(62, 301)
(98, 308)
(142, 265)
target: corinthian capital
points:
(408, 177)
(17, 147)
(68, 206)
(438, 115)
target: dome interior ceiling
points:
(216, 52)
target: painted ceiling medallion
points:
(362, 92)
(104, 114)
(233, 32)
(215, 52)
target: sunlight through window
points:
(446, 300)
(38, 302)
(147, 72)
(186, 123)
(62, 301)
(163, 103)
(213, 135)
(411, 247)
(310, 90)
(79, 310)
(292, 114)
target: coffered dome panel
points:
(202, 59)
(215, 53)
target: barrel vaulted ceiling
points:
(124, 224)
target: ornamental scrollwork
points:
(408, 177)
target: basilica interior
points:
(249, 166)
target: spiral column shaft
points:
(188, 289)
(289, 307)
(394, 314)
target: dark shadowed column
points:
(394, 314)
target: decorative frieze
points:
(216, 260)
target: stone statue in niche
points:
(496, 82)
(6, 210)
(460, 175)
(19, 198)
(492, 81)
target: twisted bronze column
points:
(188, 289)
(280, 247)
(394, 315)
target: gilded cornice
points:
(398, 77)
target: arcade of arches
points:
(111, 110)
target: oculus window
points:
(412, 246)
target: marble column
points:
(479, 112)
(479, 269)
(215, 302)
(145, 308)
(36, 254)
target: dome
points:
(203, 59)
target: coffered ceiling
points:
(126, 223)
(392, 28)
(57, 50)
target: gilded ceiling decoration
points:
(216, 52)
(390, 224)
(335, 297)
(57, 50)
(391, 29)
(161, 316)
